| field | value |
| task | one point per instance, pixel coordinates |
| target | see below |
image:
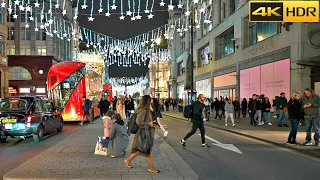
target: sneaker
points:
(286, 125)
(274, 116)
(299, 124)
(165, 133)
(205, 145)
(183, 142)
(260, 124)
(81, 124)
(226, 124)
(291, 143)
(307, 143)
(269, 124)
(233, 125)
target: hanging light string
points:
(133, 9)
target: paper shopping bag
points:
(100, 149)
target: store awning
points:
(310, 61)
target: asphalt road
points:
(17, 151)
(257, 161)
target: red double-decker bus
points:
(68, 82)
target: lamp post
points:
(191, 48)
(158, 42)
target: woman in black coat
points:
(294, 111)
(244, 107)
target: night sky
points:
(123, 29)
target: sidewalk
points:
(271, 134)
(73, 158)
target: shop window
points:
(11, 50)
(224, 44)
(25, 50)
(10, 18)
(1, 45)
(224, 11)
(23, 17)
(11, 33)
(208, 16)
(24, 90)
(204, 56)
(40, 90)
(19, 73)
(38, 106)
(41, 50)
(180, 69)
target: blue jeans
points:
(105, 142)
(294, 129)
(310, 124)
(267, 115)
(285, 117)
(218, 114)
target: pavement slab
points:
(73, 158)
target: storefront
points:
(268, 79)
(204, 87)
(225, 86)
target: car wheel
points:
(3, 139)
(40, 133)
(60, 126)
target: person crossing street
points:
(197, 121)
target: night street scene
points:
(159, 90)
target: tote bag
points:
(100, 149)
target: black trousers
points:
(237, 114)
(194, 129)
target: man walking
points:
(86, 109)
(237, 108)
(197, 121)
(312, 117)
(252, 109)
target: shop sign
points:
(261, 48)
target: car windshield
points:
(13, 105)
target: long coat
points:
(119, 139)
(141, 120)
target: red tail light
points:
(29, 119)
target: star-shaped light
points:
(121, 17)
(84, 6)
(198, 26)
(180, 6)
(21, 8)
(42, 27)
(170, 7)
(100, 10)
(65, 34)
(129, 13)
(146, 11)
(187, 13)
(195, 1)
(28, 8)
(36, 4)
(9, 10)
(15, 16)
(162, 3)
(64, 12)
(16, 2)
(68, 39)
(27, 25)
(150, 16)
(114, 7)
(138, 16)
(107, 14)
(202, 10)
(50, 21)
(179, 30)
(55, 31)
(133, 18)
(3, 4)
(36, 29)
(185, 29)
(207, 21)
(102, 39)
(90, 18)
(181, 34)
(31, 18)
(172, 26)
(57, 6)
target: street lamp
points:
(191, 48)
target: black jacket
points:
(197, 113)
(244, 105)
(266, 106)
(295, 109)
(236, 105)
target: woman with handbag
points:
(155, 107)
(143, 140)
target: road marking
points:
(229, 147)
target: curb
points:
(300, 151)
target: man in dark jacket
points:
(252, 109)
(86, 109)
(114, 104)
(237, 109)
(217, 107)
(197, 121)
(282, 103)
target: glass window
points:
(19, 73)
(41, 35)
(22, 17)
(41, 50)
(11, 33)
(232, 6)
(13, 105)
(1, 45)
(10, 18)
(11, 50)
(259, 31)
(25, 34)
(38, 106)
(25, 50)
(224, 44)
(62, 92)
(1, 17)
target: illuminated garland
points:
(126, 81)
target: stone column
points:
(216, 13)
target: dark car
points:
(28, 115)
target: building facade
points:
(4, 82)
(159, 75)
(235, 57)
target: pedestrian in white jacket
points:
(229, 112)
